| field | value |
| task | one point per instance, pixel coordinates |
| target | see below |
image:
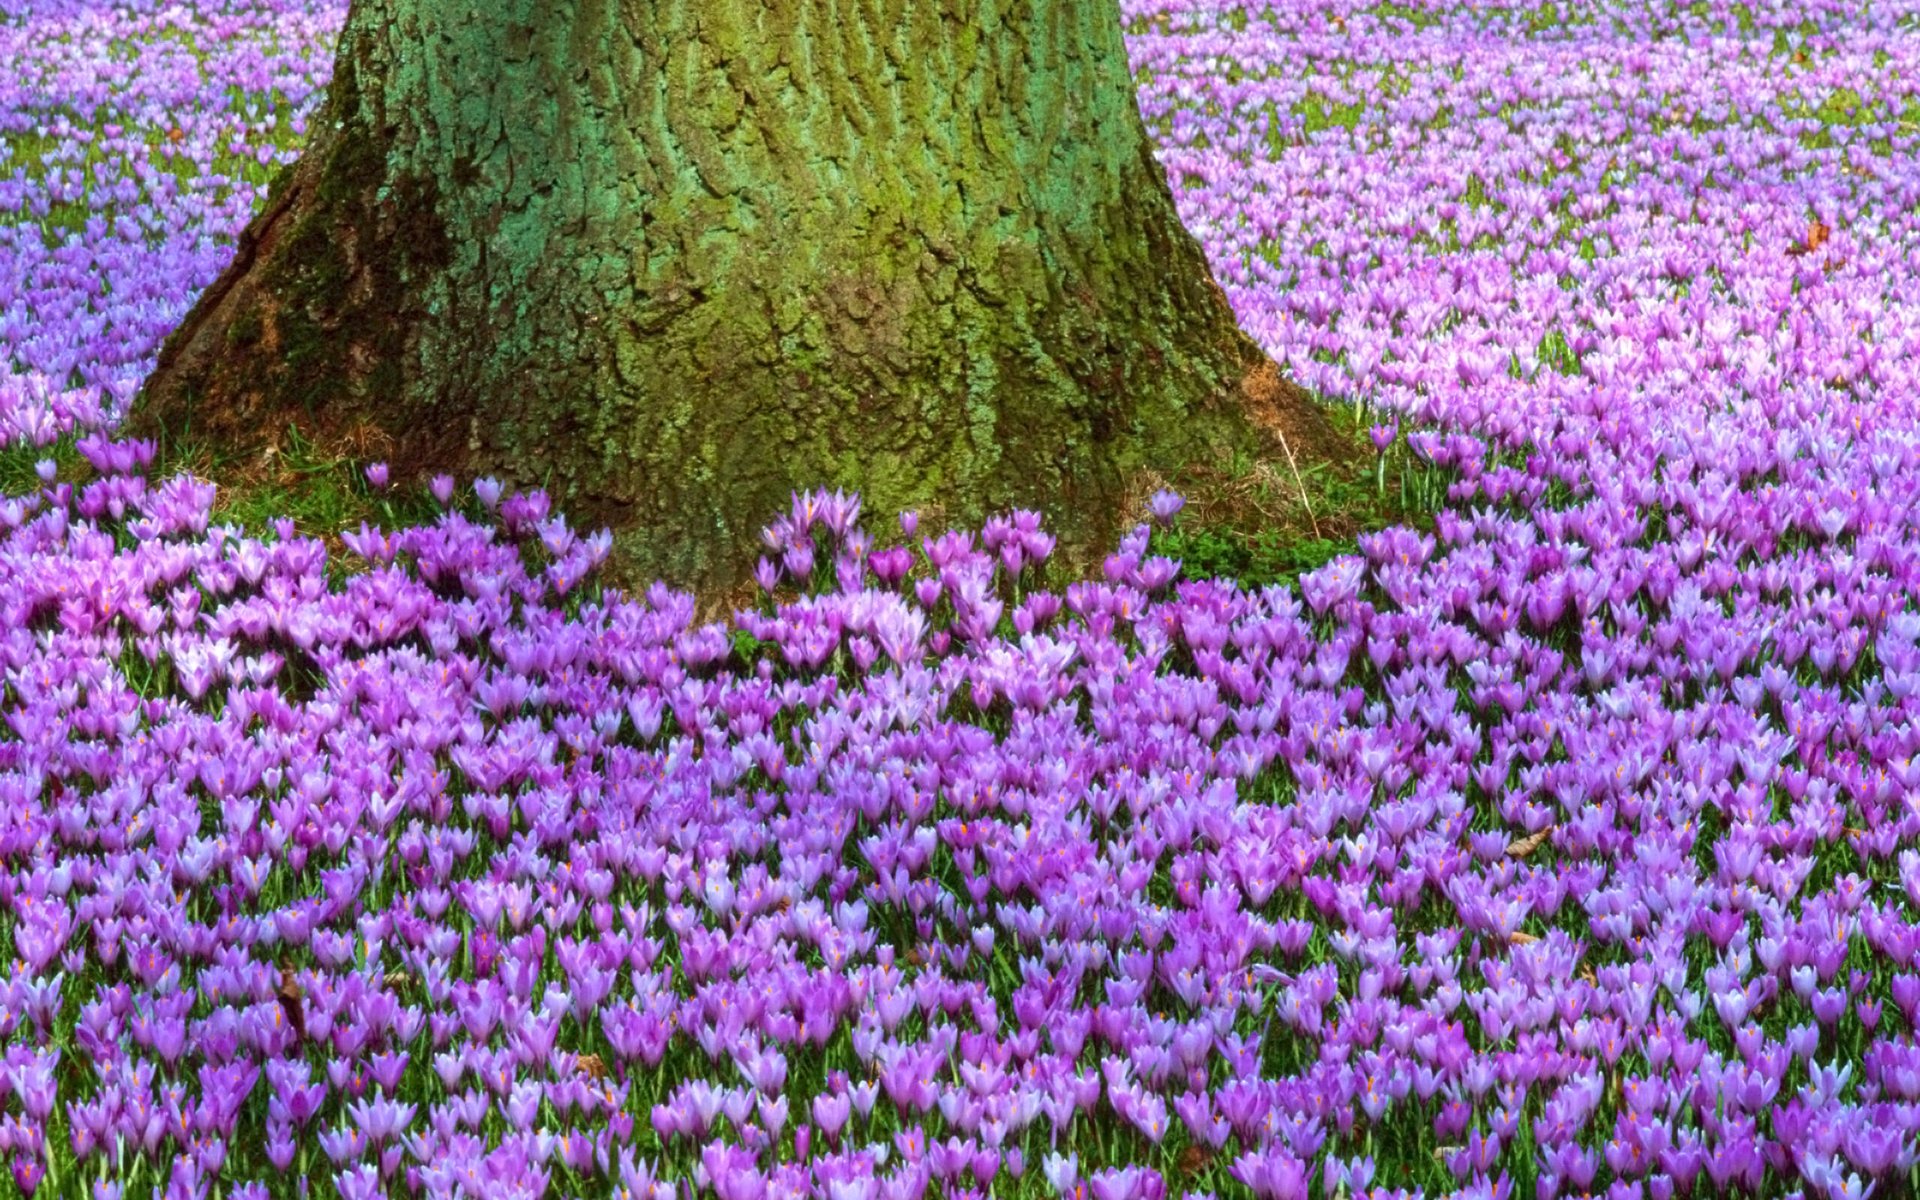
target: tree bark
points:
(672, 259)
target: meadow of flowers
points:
(1566, 848)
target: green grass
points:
(323, 491)
(1271, 521)
(19, 466)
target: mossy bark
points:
(672, 259)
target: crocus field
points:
(1564, 845)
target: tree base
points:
(673, 320)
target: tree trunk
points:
(672, 259)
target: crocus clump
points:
(135, 141)
(1564, 847)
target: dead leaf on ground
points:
(1194, 1159)
(292, 1001)
(1522, 847)
(1817, 234)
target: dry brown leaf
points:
(292, 1001)
(1194, 1159)
(592, 1066)
(1817, 234)
(1522, 847)
(1519, 938)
